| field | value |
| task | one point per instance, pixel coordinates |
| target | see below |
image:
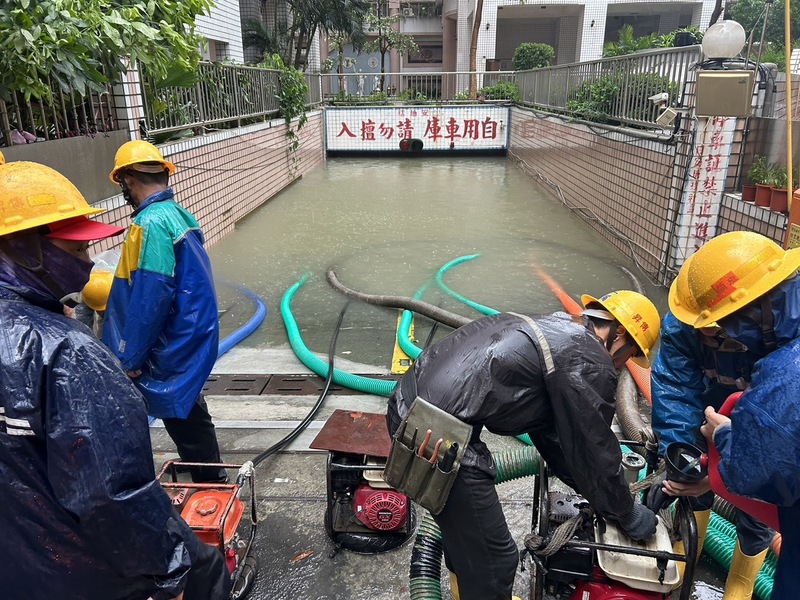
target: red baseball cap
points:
(82, 229)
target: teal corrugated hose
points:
(378, 387)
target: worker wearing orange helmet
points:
(83, 515)
(734, 325)
(552, 377)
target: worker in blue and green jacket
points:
(161, 317)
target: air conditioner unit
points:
(408, 12)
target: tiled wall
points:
(620, 185)
(222, 177)
(736, 215)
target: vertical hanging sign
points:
(702, 197)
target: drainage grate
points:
(221, 385)
(278, 385)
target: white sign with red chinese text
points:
(483, 127)
(705, 183)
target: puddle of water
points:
(387, 225)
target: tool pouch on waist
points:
(424, 481)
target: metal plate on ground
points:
(308, 385)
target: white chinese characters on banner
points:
(439, 128)
(702, 196)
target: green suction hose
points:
(484, 310)
(378, 387)
(720, 546)
(426, 556)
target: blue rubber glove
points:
(640, 523)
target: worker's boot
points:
(742, 574)
(454, 586)
(701, 517)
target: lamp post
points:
(723, 40)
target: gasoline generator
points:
(215, 512)
(363, 513)
(598, 561)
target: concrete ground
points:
(296, 557)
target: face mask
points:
(35, 262)
(69, 272)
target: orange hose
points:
(776, 544)
(640, 375)
(570, 305)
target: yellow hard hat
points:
(636, 314)
(729, 272)
(681, 301)
(2, 159)
(34, 195)
(95, 292)
(133, 154)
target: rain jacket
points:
(760, 453)
(83, 517)
(682, 375)
(161, 315)
(497, 373)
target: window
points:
(427, 54)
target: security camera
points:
(661, 99)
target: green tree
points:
(750, 14)
(328, 16)
(384, 35)
(627, 44)
(532, 56)
(83, 44)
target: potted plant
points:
(779, 198)
(760, 174)
(756, 173)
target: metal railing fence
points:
(64, 114)
(370, 88)
(216, 96)
(612, 89)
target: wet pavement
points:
(296, 557)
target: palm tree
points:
(627, 44)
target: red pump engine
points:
(605, 589)
(380, 509)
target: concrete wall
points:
(85, 161)
(223, 177)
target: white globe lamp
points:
(724, 39)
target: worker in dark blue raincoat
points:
(735, 317)
(551, 377)
(83, 516)
(161, 317)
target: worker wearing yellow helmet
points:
(553, 377)
(734, 325)
(161, 320)
(83, 513)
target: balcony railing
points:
(612, 89)
(356, 88)
(64, 114)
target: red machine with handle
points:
(764, 512)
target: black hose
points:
(312, 413)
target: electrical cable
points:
(312, 413)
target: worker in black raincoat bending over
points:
(552, 377)
(83, 517)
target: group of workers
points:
(85, 518)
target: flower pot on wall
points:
(749, 193)
(779, 200)
(763, 194)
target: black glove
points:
(656, 498)
(640, 523)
